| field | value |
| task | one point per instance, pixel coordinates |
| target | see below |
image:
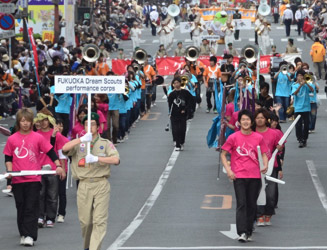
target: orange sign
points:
(48, 34)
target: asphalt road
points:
(162, 199)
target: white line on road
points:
(227, 247)
(316, 181)
(155, 41)
(149, 203)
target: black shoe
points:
(304, 143)
(301, 145)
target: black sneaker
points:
(304, 143)
(301, 145)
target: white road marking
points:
(187, 40)
(149, 203)
(226, 247)
(155, 41)
(300, 39)
(232, 233)
(317, 183)
(251, 39)
(284, 39)
(322, 96)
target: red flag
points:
(119, 66)
(36, 60)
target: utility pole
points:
(56, 21)
(108, 9)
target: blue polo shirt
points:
(284, 85)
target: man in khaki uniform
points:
(179, 51)
(205, 49)
(93, 191)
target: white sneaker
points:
(22, 240)
(242, 238)
(28, 241)
(182, 147)
(177, 149)
(61, 218)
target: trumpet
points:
(184, 81)
(248, 80)
(126, 90)
(285, 68)
(308, 78)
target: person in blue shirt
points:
(283, 92)
(301, 92)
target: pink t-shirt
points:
(26, 152)
(103, 107)
(244, 154)
(59, 147)
(229, 109)
(271, 138)
(78, 130)
(234, 121)
(60, 142)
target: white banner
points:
(70, 22)
(90, 84)
(211, 38)
(223, 1)
(290, 57)
(185, 27)
(242, 24)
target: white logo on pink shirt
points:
(243, 151)
(21, 152)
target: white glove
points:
(91, 158)
(86, 138)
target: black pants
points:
(300, 26)
(49, 197)
(178, 127)
(237, 34)
(153, 29)
(208, 95)
(288, 23)
(256, 38)
(65, 121)
(246, 192)
(27, 199)
(271, 197)
(276, 17)
(198, 93)
(147, 20)
(302, 126)
(62, 196)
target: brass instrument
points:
(173, 10)
(126, 90)
(248, 80)
(140, 56)
(260, 29)
(284, 69)
(223, 28)
(184, 81)
(308, 78)
(192, 53)
(91, 53)
(264, 9)
(250, 53)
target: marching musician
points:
(229, 33)
(135, 35)
(101, 68)
(244, 171)
(265, 38)
(150, 76)
(211, 77)
(179, 101)
(197, 31)
(257, 24)
(154, 16)
(231, 50)
(237, 15)
(163, 31)
(197, 68)
(179, 51)
(228, 68)
(192, 17)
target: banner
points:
(119, 66)
(33, 45)
(70, 23)
(185, 27)
(265, 64)
(169, 65)
(242, 24)
(41, 18)
(209, 13)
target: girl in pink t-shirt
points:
(78, 130)
(22, 152)
(271, 138)
(244, 171)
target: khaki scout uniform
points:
(93, 191)
(180, 52)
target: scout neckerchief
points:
(93, 142)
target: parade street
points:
(166, 199)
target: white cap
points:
(287, 5)
(304, 5)
(223, 13)
(154, 7)
(163, 4)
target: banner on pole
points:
(242, 24)
(89, 84)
